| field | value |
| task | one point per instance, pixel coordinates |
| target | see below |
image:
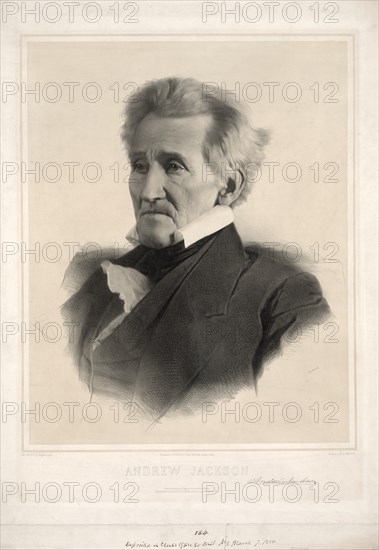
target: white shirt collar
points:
(211, 221)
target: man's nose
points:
(153, 188)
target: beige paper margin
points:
(350, 530)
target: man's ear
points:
(232, 188)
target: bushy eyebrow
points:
(162, 156)
(134, 155)
(168, 155)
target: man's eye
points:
(139, 167)
(174, 166)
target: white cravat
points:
(132, 285)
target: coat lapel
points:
(191, 326)
(133, 330)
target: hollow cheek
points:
(202, 199)
(183, 206)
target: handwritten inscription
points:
(203, 544)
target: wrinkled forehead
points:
(156, 134)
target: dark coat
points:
(202, 333)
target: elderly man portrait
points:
(189, 314)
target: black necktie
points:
(156, 263)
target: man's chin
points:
(156, 239)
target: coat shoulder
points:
(269, 266)
(282, 286)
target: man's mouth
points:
(155, 212)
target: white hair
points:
(231, 140)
